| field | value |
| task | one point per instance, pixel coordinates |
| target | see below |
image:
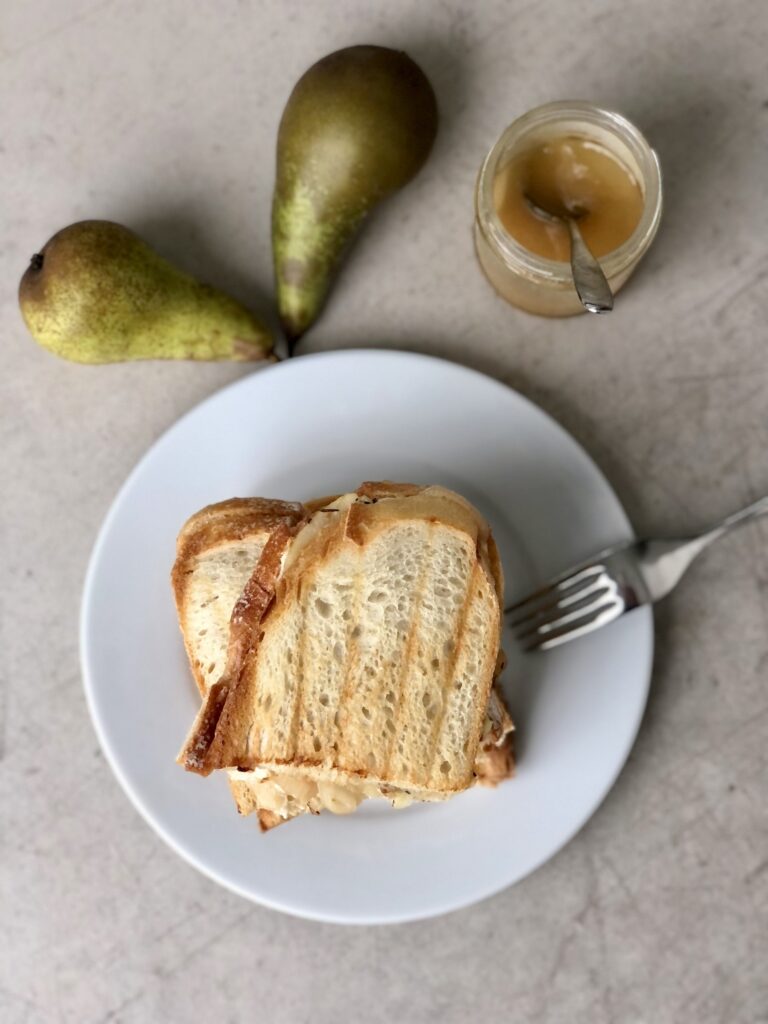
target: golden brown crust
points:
(382, 504)
(232, 520)
(268, 820)
(487, 673)
(376, 489)
(315, 504)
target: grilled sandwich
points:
(345, 649)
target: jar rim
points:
(558, 271)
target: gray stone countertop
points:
(163, 116)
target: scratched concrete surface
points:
(163, 116)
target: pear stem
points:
(36, 262)
(292, 341)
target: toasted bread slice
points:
(216, 552)
(368, 668)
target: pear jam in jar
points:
(568, 159)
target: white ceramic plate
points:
(322, 424)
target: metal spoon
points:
(590, 281)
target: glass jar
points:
(541, 285)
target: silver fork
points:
(612, 583)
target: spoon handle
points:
(591, 284)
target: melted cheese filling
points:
(286, 794)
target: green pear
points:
(358, 126)
(97, 293)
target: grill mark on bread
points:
(357, 523)
(222, 525)
(488, 671)
(408, 648)
(246, 633)
(247, 685)
(204, 750)
(333, 753)
(351, 658)
(494, 561)
(452, 662)
(293, 590)
(300, 688)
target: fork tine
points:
(577, 610)
(568, 627)
(553, 593)
(595, 587)
(570, 608)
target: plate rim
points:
(158, 826)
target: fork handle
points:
(746, 515)
(663, 562)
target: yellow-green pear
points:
(97, 293)
(358, 126)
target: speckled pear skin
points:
(358, 126)
(97, 293)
